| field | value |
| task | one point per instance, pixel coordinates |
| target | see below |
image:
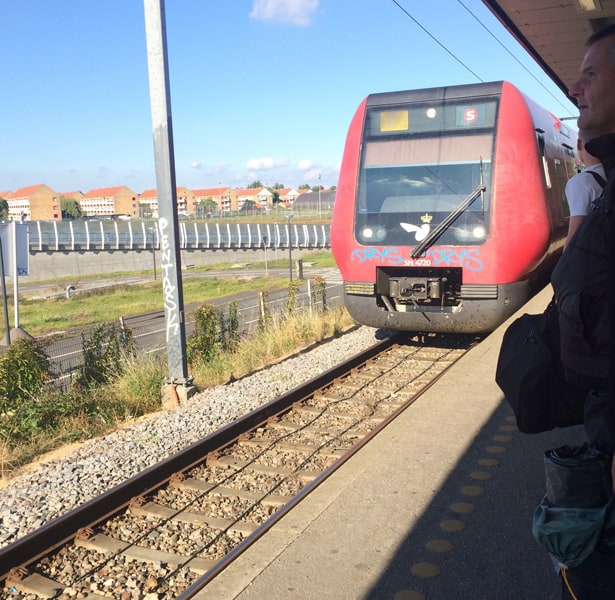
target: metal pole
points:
(15, 274)
(153, 250)
(160, 99)
(290, 249)
(266, 267)
(4, 299)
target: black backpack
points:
(581, 283)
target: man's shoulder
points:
(597, 168)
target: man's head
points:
(586, 157)
(594, 91)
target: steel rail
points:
(243, 546)
(54, 534)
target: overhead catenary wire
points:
(463, 64)
(515, 58)
(437, 41)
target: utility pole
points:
(177, 382)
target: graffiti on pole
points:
(168, 288)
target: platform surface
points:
(437, 507)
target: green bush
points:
(204, 344)
(293, 292)
(319, 292)
(103, 351)
(229, 328)
(24, 370)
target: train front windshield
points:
(426, 174)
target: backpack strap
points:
(601, 181)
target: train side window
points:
(561, 175)
(545, 166)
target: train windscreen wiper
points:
(444, 225)
(439, 230)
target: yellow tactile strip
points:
(478, 479)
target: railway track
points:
(168, 531)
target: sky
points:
(261, 90)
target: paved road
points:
(49, 289)
(148, 329)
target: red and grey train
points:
(450, 208)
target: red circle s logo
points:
(470, 115)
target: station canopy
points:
(554, 32)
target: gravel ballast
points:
(53, 487)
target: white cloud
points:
(196, 164)
(312, 174)
(265, 163)
(295, 12)
(305, 164)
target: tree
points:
(70, 208)
(4, 209)
(206, 206)
(249, 206)
(305, 186)
(255, 185)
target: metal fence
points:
(107, 234)
(149, 330)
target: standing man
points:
(594, 93)
(584, 188)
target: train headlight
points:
(373, 234)
(479, 232)
(431, 113)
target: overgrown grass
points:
(282, 337)
(40, 317)
(43, 316)
(49, 419)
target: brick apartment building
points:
(119, 200)
(34, 203)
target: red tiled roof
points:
(249, 192)
(105, 192)
(154, 193)
(210, 191)
(26, 191)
